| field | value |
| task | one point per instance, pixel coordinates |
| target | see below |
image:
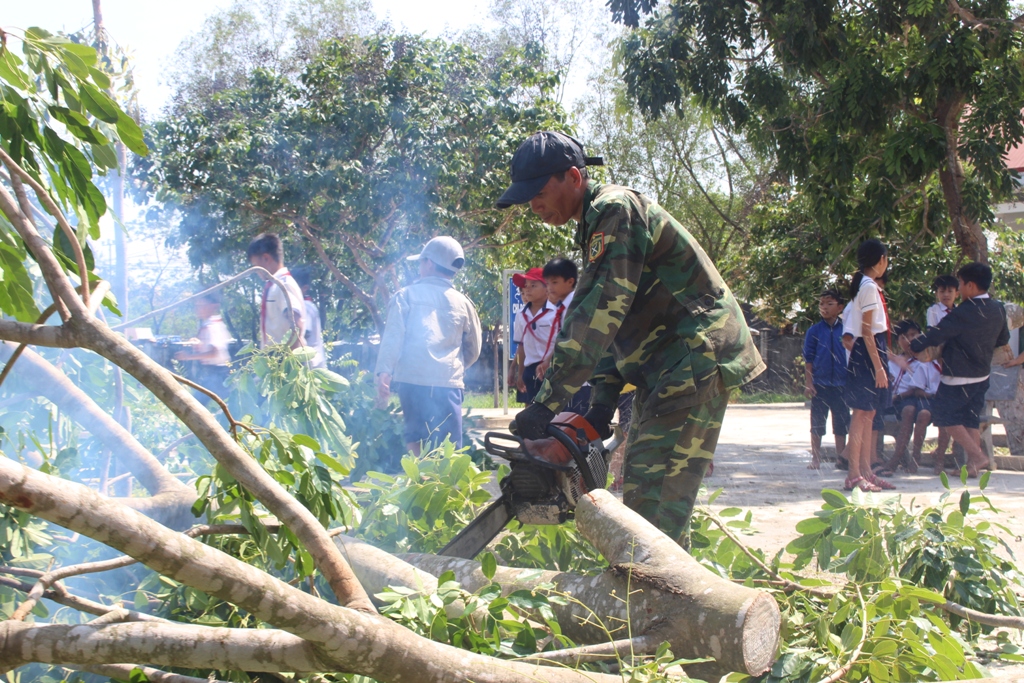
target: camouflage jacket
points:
(650, 309)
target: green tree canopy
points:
(379, 144)
(891, 117)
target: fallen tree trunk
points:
(345, 640)
(652, 587)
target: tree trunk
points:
(968, 233)
(670, 595)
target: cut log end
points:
(761, 627)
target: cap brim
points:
(522, 191)
(519, 279)
(414, 257)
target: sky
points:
(152, 31)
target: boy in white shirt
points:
(532, 331)
(281, 312)
(946, 289)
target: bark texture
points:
(653, 586)
(349, 640)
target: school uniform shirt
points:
(277, 310)
(919, 375)
(869, 298)
(314, 334)
(535, 331)
(935, 313)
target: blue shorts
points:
(829, 399)
(920, 403)
(956, 405)
(860, 391)
(531, 381)
(431, 413)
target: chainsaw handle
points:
(577, 455)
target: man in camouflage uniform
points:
(650, 310)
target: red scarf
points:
(530, 327)
(556, 327)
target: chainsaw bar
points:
(474, 538)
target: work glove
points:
(600, 418)
(532, 422)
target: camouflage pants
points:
(666, 458)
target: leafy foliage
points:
(57, 123)
(887, 119)
(378, 145)
(894, 567)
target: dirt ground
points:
(761, 463)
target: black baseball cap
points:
(540, 157)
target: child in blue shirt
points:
(825, 377)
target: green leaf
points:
(488, 565)
(10, 70)
(965, 502)
(99, 105)
(834, 499)
(983, 481)
(812, 525)
(104, 156)
(131, 135)
(138, 676)
(99, 78)
(944, 479)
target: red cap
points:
(519, 279)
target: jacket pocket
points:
(675, 389)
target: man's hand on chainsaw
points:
(532, 422)
(600, 418)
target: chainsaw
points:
(546, 478)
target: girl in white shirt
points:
(867, 376)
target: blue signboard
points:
(515, 306)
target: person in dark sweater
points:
(971, 333)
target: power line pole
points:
(120, 284)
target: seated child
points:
(914, 386)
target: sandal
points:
(842, 463)
(867, 487)
(861, 483)
(880, 483)
(883, 469)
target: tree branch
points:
(318, 246)
(46, 200)
(336, 638)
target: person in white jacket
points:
(431, 336)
